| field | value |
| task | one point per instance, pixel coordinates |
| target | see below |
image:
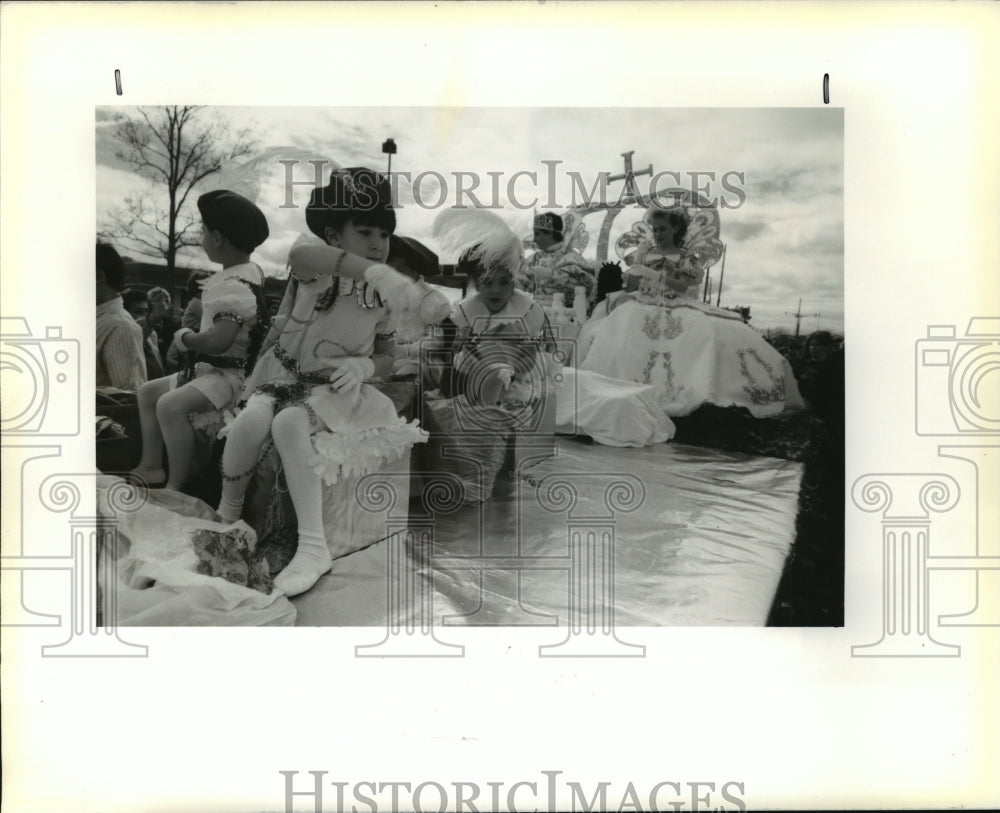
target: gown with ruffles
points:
(691, 353)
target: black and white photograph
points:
(565, 368)
(499, 406)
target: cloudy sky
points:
(784, 239)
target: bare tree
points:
(178, 147)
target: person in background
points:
(191, 317)
(821, 379)
(161, 316)
(120, 362)
(556, 268)
(137, 304)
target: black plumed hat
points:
(356, 193)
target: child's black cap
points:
(238, 218)
(355, 193)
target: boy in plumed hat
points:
(221, 352)
(333, 332)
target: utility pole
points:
(389, 148)
(798, 316)
(722, 274)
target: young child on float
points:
(497, 333)
(220, 352)
(332, 333)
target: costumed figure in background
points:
(333, 332)
(557, 267)
(656, 331)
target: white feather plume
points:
(244, 177)
(492, 240)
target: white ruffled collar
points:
(472, 313)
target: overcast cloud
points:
(785, 242)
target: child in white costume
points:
(232, 227)
(308, 391)
(498, 332)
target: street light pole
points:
(389, 148)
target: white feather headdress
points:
(484, 234)
(244, 177)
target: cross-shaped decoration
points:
(629, 177)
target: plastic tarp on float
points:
(664, 535)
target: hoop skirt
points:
(692, 354)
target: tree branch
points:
(173, 146)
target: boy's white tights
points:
(291, 431)
(243, 446)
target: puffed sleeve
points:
(230, 300)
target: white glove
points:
(178, 340)
(351, 373)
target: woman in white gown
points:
(657, 332)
